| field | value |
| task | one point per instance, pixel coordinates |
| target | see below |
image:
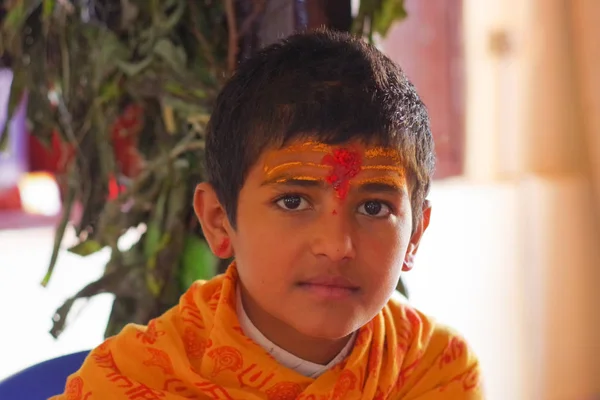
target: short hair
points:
(321, 85)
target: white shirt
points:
(283, 357)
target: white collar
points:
(283, 357)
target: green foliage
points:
(377, 16)
(85, 65)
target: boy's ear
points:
(413, 246)
(213, 219)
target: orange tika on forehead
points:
(271, 170)
(319, 147)
(343, 164)
(309, 145)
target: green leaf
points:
(167, 24)
(4, 142)
(153, 284)
(181, 106)
(14, 18)
(17, 89)
(155, 240)
(389, 12)
(151, 239)
(60, 233)
(197, 262)
(109, 52)
(86, 248)
(108, 92)
(133, 69)
(17, 16)
(164, 241)
(173, 55)
(48, 7)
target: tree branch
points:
(257, 9)
(233, 36)
(206, 48)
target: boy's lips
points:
(329, 286)
(330, 280)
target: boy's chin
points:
(332, 330)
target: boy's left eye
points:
(373, 208)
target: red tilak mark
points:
(345, 166)
(334, 212)
(223, 247)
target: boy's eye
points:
(292, 203)
(373, 208)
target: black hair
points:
(321, 85)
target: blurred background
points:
(511, 257)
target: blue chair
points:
(41, 381)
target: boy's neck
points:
(316, 350)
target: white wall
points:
(468, 275)
(27, 308)
(513, 266)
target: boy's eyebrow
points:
(373, 185)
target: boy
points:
(319, 158)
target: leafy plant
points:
(140, 75)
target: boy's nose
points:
(332, 238)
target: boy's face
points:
(322, 235)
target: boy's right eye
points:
(292, 202)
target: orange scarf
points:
(197, 351)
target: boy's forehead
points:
(317, 164)
(312, 149)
